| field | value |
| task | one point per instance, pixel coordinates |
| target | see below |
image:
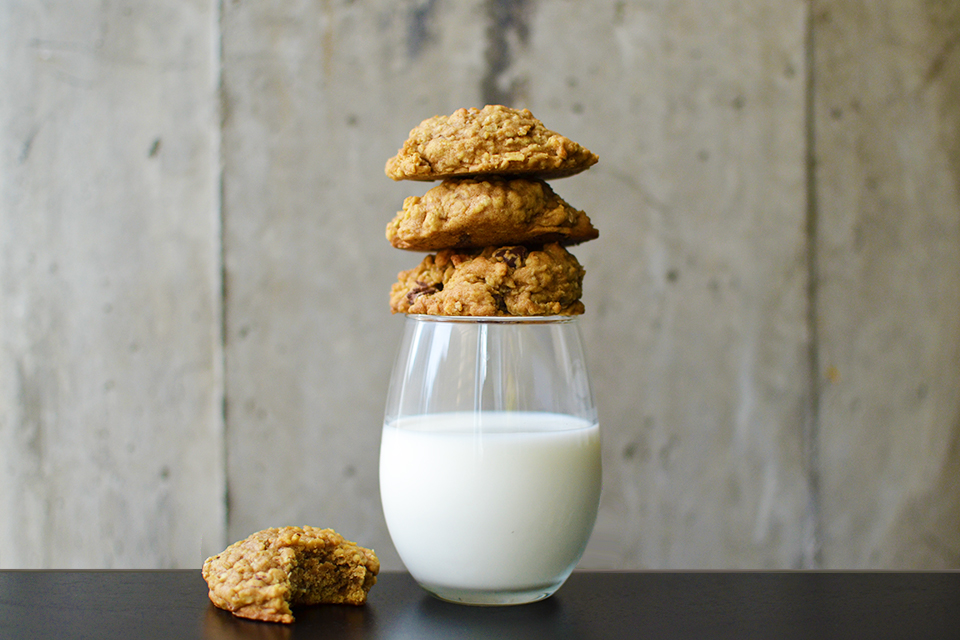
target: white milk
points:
(510, 509)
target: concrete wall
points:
(194, 331)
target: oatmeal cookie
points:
(262, 576)
(494, 281)
(494, 140)
(474, 213)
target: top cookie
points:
(495, 140)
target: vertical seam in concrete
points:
(222, 272)
(505, 17)
(812, 527)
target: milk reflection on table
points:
(490, 501)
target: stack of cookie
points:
(498, 229)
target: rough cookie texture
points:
(474, 213)
(493, 140)
(262, 576)
(494, 281)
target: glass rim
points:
(555, 319)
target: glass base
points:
(489, 598)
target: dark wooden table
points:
(143, 605)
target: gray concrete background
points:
(194, 330)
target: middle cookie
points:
(474, 213)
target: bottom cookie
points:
(494, 281)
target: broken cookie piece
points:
(264, 575)
(493, 281)
(495, 140)
(474, 213)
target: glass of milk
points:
(490, 458)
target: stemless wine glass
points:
(490, 458)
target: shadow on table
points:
(425, 618)
(324, 621)
(433, 618)
(220, 625)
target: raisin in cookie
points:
(262, 576)
(494, 140)
(494, 281)
(474, 213)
